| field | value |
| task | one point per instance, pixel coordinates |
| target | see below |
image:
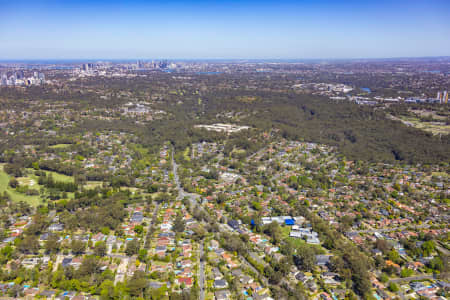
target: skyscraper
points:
(41, 78)
(4, 79)
(12, 79)
(20, 74)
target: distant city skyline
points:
(223, 29)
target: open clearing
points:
(60, 146)
(16, 196)
(61, 177)
(433, 127)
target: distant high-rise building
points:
(86, 67)
(445, 97)
(12, 80)
(4, 79)
(163, 64)
(439, 96)
(20, 74)
(142, 64)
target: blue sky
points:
(224, 29)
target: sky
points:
(302, 29)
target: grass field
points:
(27, 181)
(186, 154)
(433, 127)
(60, 146)
(15, 196)
(61, 177)
(56, 176)
(442, 174)
(93, 184)
(285, 230)
(296, 242)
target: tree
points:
(436, 264)
(52, 244)
(274, 231)
(382, 245)
(305, 258)
(200, 233)
(137, 284)
(29, 245)
(394, 256)
(428, 247)
(384, 278)
(360, 274)
(274, 276)
(406, 272)
(13, 170)
(38, 226)
(132, 247)
(233, 243)
(78, 247)
(143, 255)
(13, 183)
(221, 198)
(15, 290)
(179, 224)
(100, 248)
(90, 266)
(139, 229)
(393, 287)
(107, 290)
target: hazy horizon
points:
(216, 60)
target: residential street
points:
(406, 279)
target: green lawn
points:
(15, 196)
(61, 177)
(56, 176)
(285, 230)
(4, 179)
(296, 242)
(186, 154)
(159, 263)
(60, 146)
(433, 127)
(443, 174)
(93, 184)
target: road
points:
(442, 249)
(250, 266)
(391, 229)
(181, 192)
(194, 202)
(406, 279)
(201, 276)
(193, 198)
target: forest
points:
(359, 132)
